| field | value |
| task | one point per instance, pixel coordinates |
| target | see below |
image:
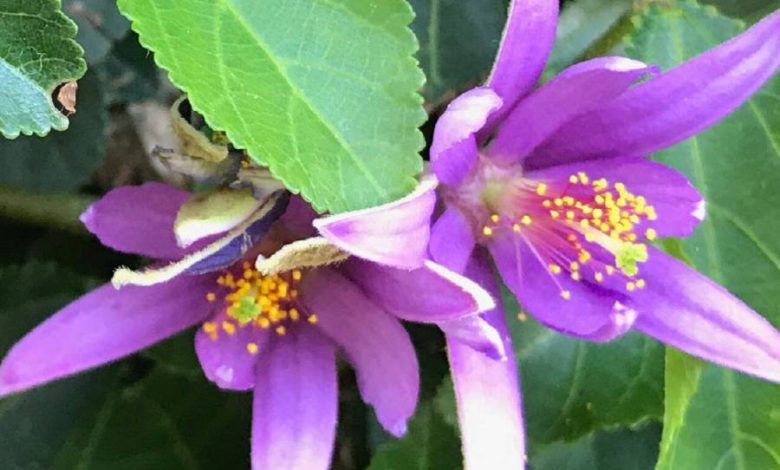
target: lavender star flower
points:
(552, 183)
(273, 327)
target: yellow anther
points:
(229, 328)
(620, 187)
(630, 286)
(312, 319)
(574, 266)
(597, 213)
(541, 189)
(252, 348)
(566, 295)
(583, 256)
(640, 283)
(247, 275)
(495, 218)
(547, 203)
(576, 276)
(264, 323)
(281, 330)
(296, 275)
(516, 228)
(585, 223)
(554, 268)
(571, 237)
(568, 200)
(573, 179)
(294, 314)
(610, 270)
(555, 214)
(211, 297)
(599, 277)
(583, 177)
(210, 327)
(487, 231)
(558, 202)
(522, 316)
(651, 234)
(525, 220)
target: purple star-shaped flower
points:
(553, 184)
(276, 334)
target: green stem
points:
(58, 210)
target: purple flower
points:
(275, 332)
(553, 184)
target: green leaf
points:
(582, 23)
(573, 387)
(62, 161)
(717, 418)
(100, 25)
(37, 53)
(619, 449)
(746, 9)
(429, 444)
(458, 42)
(323, 92)
(128, 72)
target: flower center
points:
(581, 227)
(254, 300)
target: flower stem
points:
(58, 210)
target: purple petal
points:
(454, 148)
(225, 354)
(428, 294)
(394, 234)
(374, 342)
(102, 326)
(592, 312)
(684, 309)
(578, 89)
(679, 206)
(138, 220)
(452, 240)
(477, 333)
(488, 394)
(525, 46)
(673, 106)
(295, 403)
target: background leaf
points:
(62, 161)
(719, 418)
(324, 93)
(99, 25)
(458, 42)
(37, 53)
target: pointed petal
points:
(374, 342)
(295, 403)
(577, 90)
(673, 106)
(592, 312)
(454, 148)
(102, 326)
(452, 240)
(684, 309)
(679, 205)
(525, 47)
(428, 294)
(225, 353)
(488, 394)
(395, 234)
(138, 220)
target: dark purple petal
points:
(577, 90)
(428, 294)
(679, 205)
(103, 325)
(395, 234)
(374, 342)
(225, 354)
(684, 309)
(138, 220)
(674, 105)
(592, 312)
(452, 240)
(295, 403)
(454, 148)
(488, 394)
(525, 47)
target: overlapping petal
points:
(454, 149)
(525, 47)
(394, 234)
(452, 240)
(684, 309)
(138, 220)
(374, 342)
(295, 403)
(672, 106)
(577, 90)
(488, 393)
(102, 326)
